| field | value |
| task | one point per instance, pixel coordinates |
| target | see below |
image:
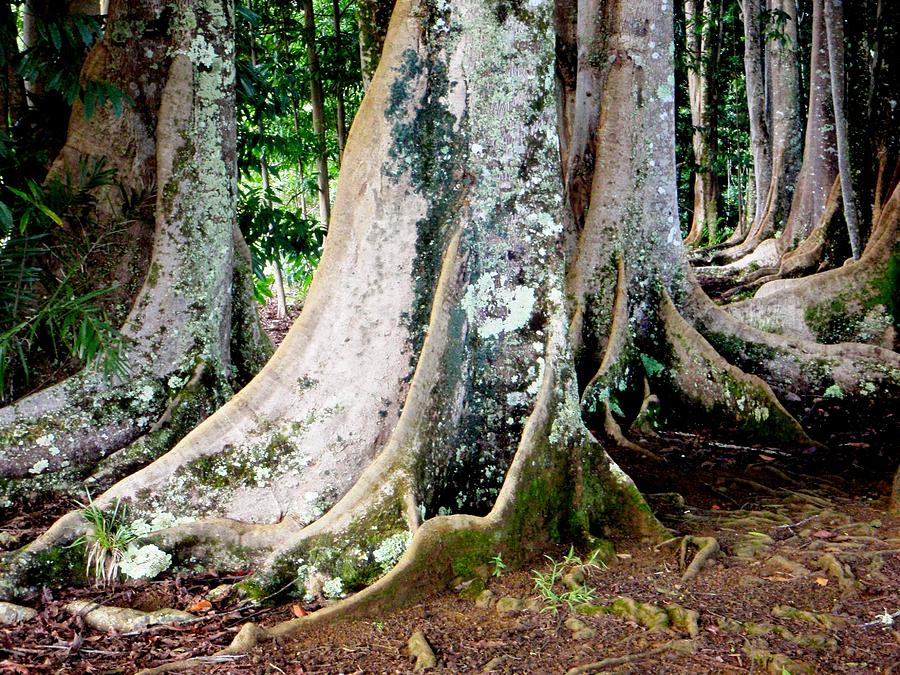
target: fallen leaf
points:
(298, 611)
(200, 606)
(823, 534)
(767, 458)
(822, 581)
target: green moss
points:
(746, 355)
(470, 550)
(887, 288)
(153, 274)
(58, 564)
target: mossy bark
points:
(178, 136)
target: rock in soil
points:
(510, 605)
(12, 614)
(122, 619)
(420, 649)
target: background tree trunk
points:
(340, 122)
(834, 23)
(703, 34)
(820, 166)
(318, 110)
(754, 69)
(13, 104)
(374, 17)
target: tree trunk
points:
(754, 71)
(374, 17)
(280, 298)
(820, 166)
(181, 322)
(834, 22)
(13, 104)
(784, 121)
(318, 110)
(341, 123)
(702, 20)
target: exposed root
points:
(859, 292)
(123, 619)
(847, 582)
(681, 646)
(614, 432)
(794, 364)
(703, 377)
(708, 548)
(649, 408)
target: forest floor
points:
(806, 576)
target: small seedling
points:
(378, 626)
(545, 583)
(499, 565)
(106, 543)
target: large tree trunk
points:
(179, 350)
(318, 111)
(489, 320)
(703, 28)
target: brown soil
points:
(274, 327)
(777, 517)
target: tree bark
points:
(820, 165)
(834, 23)
(318, 110)
(374, 17)
(703, 32)
(754, 72)
(181, 321)
(341, 124)
(13, 104)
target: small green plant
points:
(834, 391)
(547, 583)
(651, 366)
(499, 565)
(107, 542)
(378, 626)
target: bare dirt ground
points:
(803, 575)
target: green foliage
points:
(834, 391)
(550, 584)
(105, 545)
(733, 160)
(498, 565)
(275, 129)
(49, 306)
(651, 366)
(55, 61)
